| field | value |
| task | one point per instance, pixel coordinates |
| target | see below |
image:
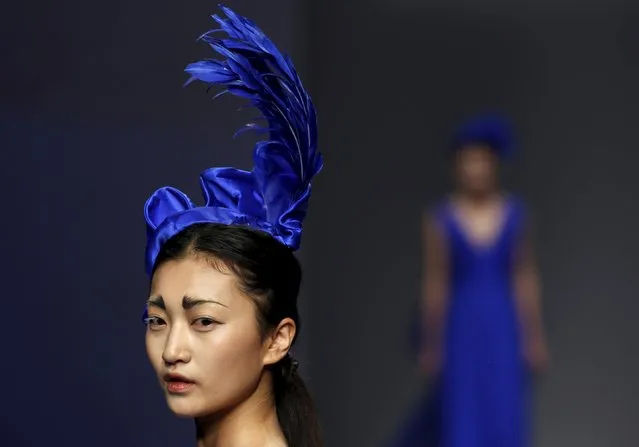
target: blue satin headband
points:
(273, 197)
(494, 131)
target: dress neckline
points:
(489, 243)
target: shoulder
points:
(434, 218)
(523, 215)
(519, 207)
(437, 212)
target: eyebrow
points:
(188, 302)
(157, 301)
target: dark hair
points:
(270, 274)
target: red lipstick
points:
(178, 384)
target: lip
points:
(178, 384)
(174, 377)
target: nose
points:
(176, 349)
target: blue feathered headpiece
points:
(494, 131)
(273, 197)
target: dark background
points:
(93, 118)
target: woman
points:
(222, 312)
(483, 329)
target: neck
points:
(251, 423)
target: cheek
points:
(154, 347)
(233, 350)
(478, 171)
(229, 365)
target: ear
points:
(280, 341)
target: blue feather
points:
(253, 68)
(274, 196)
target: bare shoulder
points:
(431, 221)
(527, 213)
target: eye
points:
(204, 323)
(154, 323)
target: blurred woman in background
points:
(481, 331)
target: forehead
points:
(475, 151)
(193, 276)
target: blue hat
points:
(494, 131)
(272, 197)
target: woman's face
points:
(476, 168)
(202, 329)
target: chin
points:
(185, 407)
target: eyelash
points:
(211, 321)
(154, 322)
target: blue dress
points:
(480, 399)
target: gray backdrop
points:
(93, 118)
(391, 80)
